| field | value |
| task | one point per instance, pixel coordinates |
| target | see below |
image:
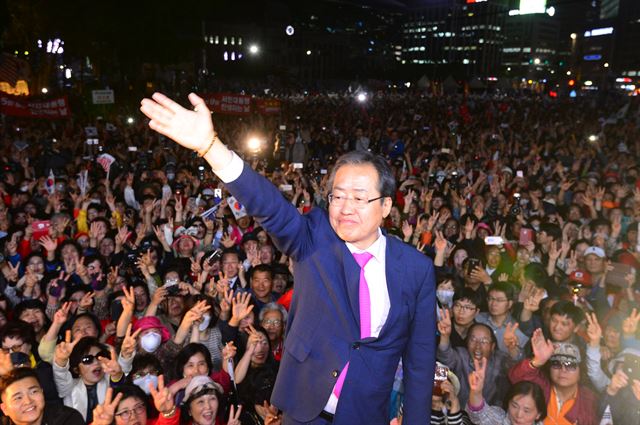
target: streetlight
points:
(254, 49)
(574, 35)
(536, 61)
(45, 90)
(606, 64)
(361, 97)
(130, 120)
(289, 30)
(254, 143)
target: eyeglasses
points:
(481, 341)
(13, 349)
(271, 322)
(358, 201)
(88, 359)
(567, 365)
(137, 410)
(464, 307)
(496, 300)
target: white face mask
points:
(206, 319)
(144, 381)
(150, 342)
(445, 296)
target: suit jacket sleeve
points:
(279, 217)
(419, 356)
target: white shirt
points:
(374, 271)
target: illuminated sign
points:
(475, 1)
(532, 6)
(592, 57)
(598, 31)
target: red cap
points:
(581, 277)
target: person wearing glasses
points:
(83, 370)
(480, 344)
(362, 301)
(556, 368)
(130, 405)
(500, 300)
(465, 308)
(272, 317)
(23, 401)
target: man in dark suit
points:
(362, 300)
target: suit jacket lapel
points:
(393, 270)
(351, 272)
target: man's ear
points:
(4, 408)
(386, 206)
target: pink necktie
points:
(365, 314)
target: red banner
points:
(268, 106)
(228, 103)
(25, 107)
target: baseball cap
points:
(566, 351)
(595, 251)
(581, 277)
(200, 385)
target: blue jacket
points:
(323, 330)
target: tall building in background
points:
(463, 38)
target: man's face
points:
(23, 401)
(353, 224)
(230, 265)
(542, 237)
(464, 312)
(261, 284)
(16, 345)
(594, 264)
(480, 343)
(561, 328)
(564, 376)
(499, 304)
(279, 283)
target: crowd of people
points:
(139, 291)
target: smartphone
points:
(56, 290)
(298, 165)
(473, 263)
(116, 310)
(285, 188)
(323, 171)
(520, 174)
(439, 377)
(493, 240)
(132, 149)
(173, 290)
(40, 228)
(445, 150)
(215, 256)
(526, 236)
(616, 277)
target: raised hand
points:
(227, 241)
(542, 348)
(234, 415)
(196, 312)
(440, 243)
(273, 416)
(129, 300)
(476, 378)
(619, 380)
(162, 398)
(48, 243)
(510, 338)
(594, 331)
(128, 348)
(407, 229)
(61, 315)
(630, 324)
(86, 302)
(105, 413)
(229, 351)
(110, 365)
(191, 129)
(240, 307)
(64, 349)
(444, 324)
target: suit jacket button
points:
(335, 373)
(355, 345)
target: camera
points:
(173, 290)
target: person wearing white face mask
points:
(145, 370)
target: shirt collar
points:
(376, 249)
